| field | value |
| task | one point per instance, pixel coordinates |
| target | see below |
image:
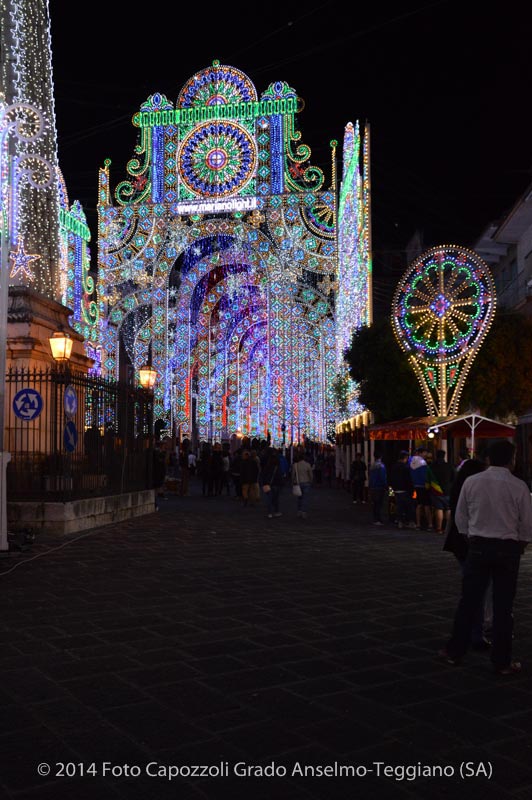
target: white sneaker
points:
(277, 514)
(270, 516)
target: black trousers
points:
(499, 560)
(358, 490)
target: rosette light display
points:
(442, 310)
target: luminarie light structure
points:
(218, 262)
(26, 80)
(442, 310)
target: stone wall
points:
(79, 515)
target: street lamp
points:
(60, 345)
(147, 376)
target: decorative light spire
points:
(26, 76)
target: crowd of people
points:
(255, 473)
(412, 493)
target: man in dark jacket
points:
(403, 488)
(217, 467)
(357, 475)
(378, 489)
(249, 477)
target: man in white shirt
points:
(494, 510)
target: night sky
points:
(444, 85)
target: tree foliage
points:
(340, 390)
(388, 386)
(500, 380)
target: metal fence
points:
(73, 436)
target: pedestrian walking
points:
(205, 471)
(378, 488)
(357, 474)
(440, 475)
(401, 483)
(302, 476)
(236, 461)
(495, 512)
(272, 484)
(226, 474)
(217, 467)
(418, 466)
(283, 464)
(249, 477)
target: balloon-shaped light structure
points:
(441, 312)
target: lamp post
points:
(147, 378)
(24, 123)
(61, 348)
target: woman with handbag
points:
(272, 483)
(302, 477)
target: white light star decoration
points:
(113, 235)
(177, 236)
(327, 284)
(21, 263)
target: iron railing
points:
(73, 436)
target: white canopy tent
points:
(474, 425)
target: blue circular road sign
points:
(27, 404)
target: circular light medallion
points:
(217, 159)
(444, 305)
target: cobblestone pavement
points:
(259, 650)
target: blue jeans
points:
(302, 502)
(498, 560)
(272, 499)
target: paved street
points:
(206, 634)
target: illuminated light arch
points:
(442, 310)
(218, 261)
